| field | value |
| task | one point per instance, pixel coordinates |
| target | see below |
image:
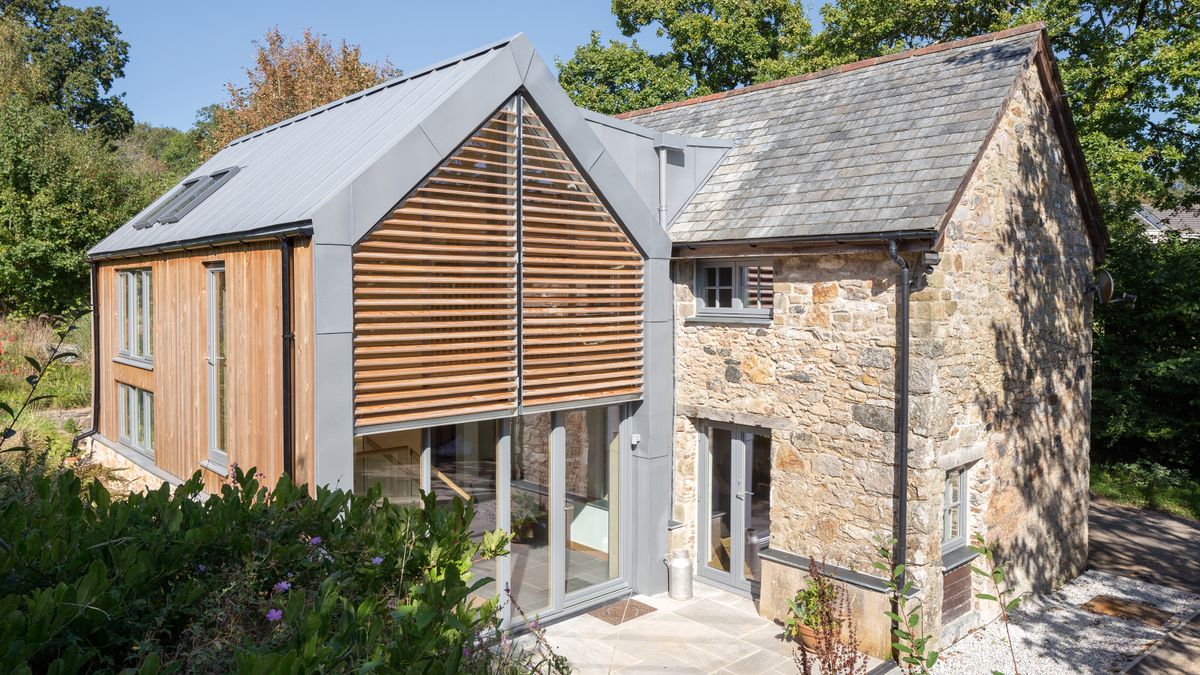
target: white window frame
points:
(955, 477)
(135, 413)
(741, 308)
(135, 315)
(218, 457)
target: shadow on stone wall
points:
(1039, 419)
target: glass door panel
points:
(719, 523)
(758, 502)
(593, 443)
(463, 464)
(529, 506)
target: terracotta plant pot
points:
(808, 636)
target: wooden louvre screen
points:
(581, 283)
(435, 290)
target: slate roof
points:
(279, 183)
(1159, 222)
(871, 148)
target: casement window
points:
(135, 408)
(734, 289)
(954, 510)
(135, 334)
(218, 378)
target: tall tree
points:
(715, 45)
(77, 54)
(290, 77)
(616, 77)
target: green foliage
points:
(715, 46)
(1148, 485)
(1146, 379)
(1002, 596)
(252, 580)
(809, 605)
(616, 77)
(76, 54)
(61, 191)
(171, 151)
(909, 646)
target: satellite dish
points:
(1104, 286)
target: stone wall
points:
(1013, 356)
(820, 377)
(123, 476)
(999, 381)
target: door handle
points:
(742, 495)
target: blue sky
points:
(182, 54)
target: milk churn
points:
(679, 575)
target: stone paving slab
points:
(714, 632)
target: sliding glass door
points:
(552, 480)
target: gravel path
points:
(1053, 635)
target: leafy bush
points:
(1147, 357)
(252, 580)
(1149, 485)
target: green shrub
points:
(250, 580)
(1148, 485)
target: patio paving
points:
(714, 632)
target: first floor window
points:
(735, 288)
(136, 411)
(135, 335)
(954, 510)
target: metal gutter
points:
(301, 228)
(840, 238)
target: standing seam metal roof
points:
(869, 150)
(279, 182)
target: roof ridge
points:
(845, 68)
(399, 79)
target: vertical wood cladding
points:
(473, 280)
(179, 378)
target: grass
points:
(1149, 486)
(68, 382)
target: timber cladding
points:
(502, 263)
(179, 377)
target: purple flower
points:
(290, 575)
(283, 586)
(534, 625)
(202, 567)
(275, 615)
(466, 652)
(315, 541)
(377, 560)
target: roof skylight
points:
(189, 195)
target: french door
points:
(734, 521)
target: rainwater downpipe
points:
(661, 150)
(287, 247)
(900, 525)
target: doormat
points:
(1127, 609)
(619, 612)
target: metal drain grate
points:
(1127, 609)
(619, 612)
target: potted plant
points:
(527, 513)
(812, 609)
